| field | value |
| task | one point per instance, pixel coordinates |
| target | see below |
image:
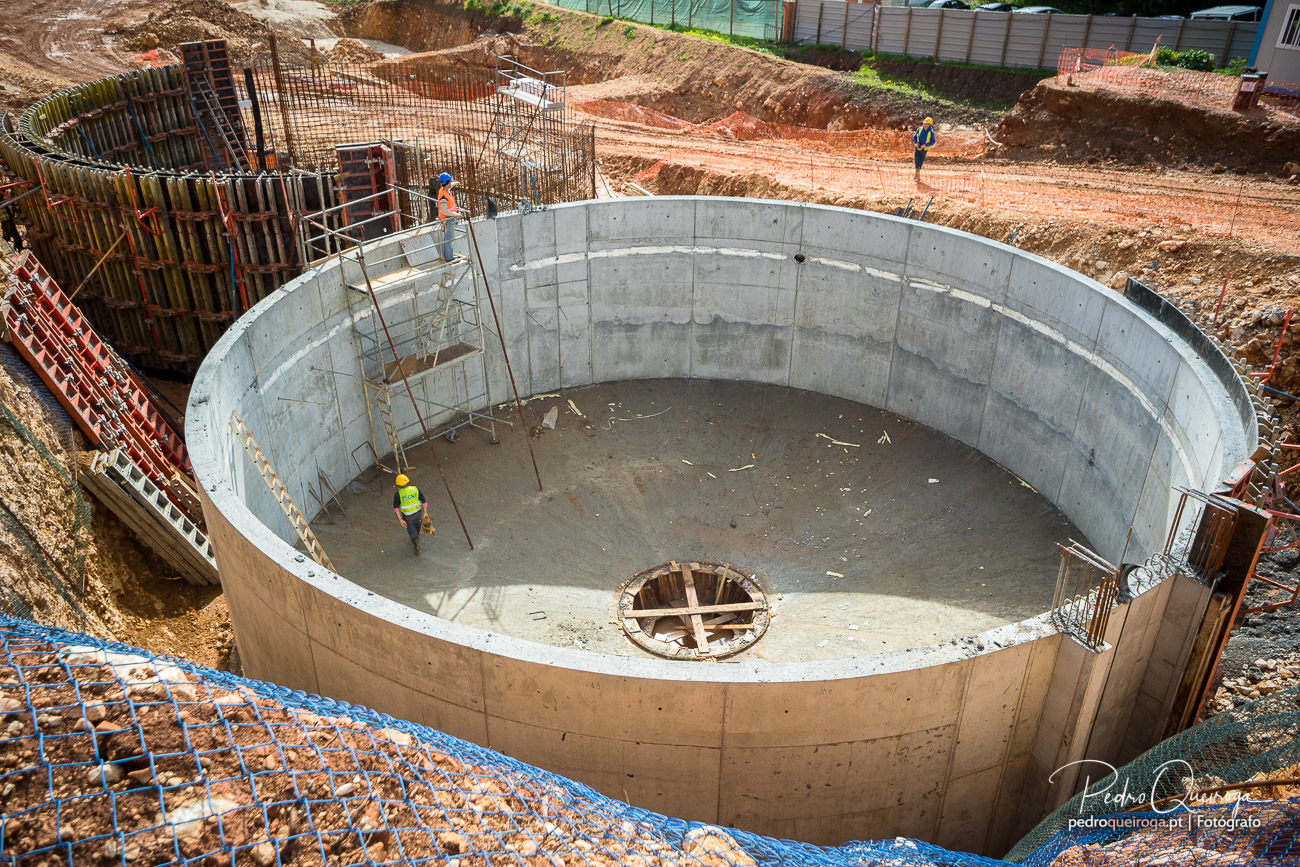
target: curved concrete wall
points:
(1093, 402)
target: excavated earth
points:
(652, 94)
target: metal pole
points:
(419, 416)
(501, 336)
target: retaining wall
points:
(1082, 394)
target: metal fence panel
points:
(956, 28)
(1062, 30)
(1027, 35)
(991, 33)
(892, 33)
(1003, 39)
(861, 18)
(1106, 32)
(924, 31)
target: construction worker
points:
(411, 508)
(922, 140)
(447, 211)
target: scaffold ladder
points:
(278, 490)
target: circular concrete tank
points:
(1100, 406)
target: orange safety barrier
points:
(739, 126)
(1093, 195)
(1133, 73)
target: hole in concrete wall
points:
(694, 610)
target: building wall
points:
(1281, 64)
(1080, 393)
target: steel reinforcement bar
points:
(163, 252)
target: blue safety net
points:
(112, 755)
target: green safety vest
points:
(409, 498)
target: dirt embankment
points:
(247, 38)
(95, 577)
(697, 80)
(1056, 121)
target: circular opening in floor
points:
(694, 610)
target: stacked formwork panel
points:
(164, 251)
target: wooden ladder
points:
(278, 490)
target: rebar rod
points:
(519, 407)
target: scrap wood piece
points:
(836, 442)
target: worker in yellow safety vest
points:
(922, 140)
(447, 212)
(411, 508)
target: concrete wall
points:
(1074, 388)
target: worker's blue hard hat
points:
(444, 178)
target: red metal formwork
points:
(89, 378)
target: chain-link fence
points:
(111, 755)
(1226, 791)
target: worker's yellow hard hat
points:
(401, 481)
(929, 120)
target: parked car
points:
(1228, 13)
(1040, 10)
(996, 7)
(948, 4)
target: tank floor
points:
(907, 535)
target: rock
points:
(1118, 281)
(1218, 168)
(1101, 264)
(1195, 281)
(264, 854)
(344, 790)
(1291, 169)
(10, 705)
(15, 728)
(401, 738)
(96, 713)
(453, 843)
(714, 847)
(1170, 246)
(111, 774)
(142, 777)
(1126, 243)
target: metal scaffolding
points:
(528, 124)
(437, 339)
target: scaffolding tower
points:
(528, 122)
(439, 335)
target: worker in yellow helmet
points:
(411, 508)
(922, 140)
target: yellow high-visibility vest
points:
(408, 499)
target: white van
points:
(1228, 13)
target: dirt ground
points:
(93, 577)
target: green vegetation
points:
(523, 10)
(1201, 61)
(629, 31)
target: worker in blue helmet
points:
(448, 211)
